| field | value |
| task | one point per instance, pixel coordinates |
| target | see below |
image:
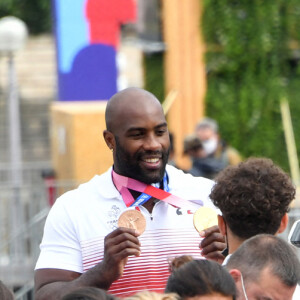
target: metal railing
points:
(26, 291)
(21, 231)
(31, 172)
(23, 211)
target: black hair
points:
(88, 293)
(200, 277)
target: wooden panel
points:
(78, 147)
(184, 68)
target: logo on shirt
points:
(180, 211)
(113, 216)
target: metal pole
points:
(15, 160)
(14, 126)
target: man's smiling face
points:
(141, 140)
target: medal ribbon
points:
(143, 198)
(123, 184)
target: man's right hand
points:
(118, 246)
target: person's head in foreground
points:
(148, 295)
(89, 293)
(264, 267)
(5, 293)
(254, 198)
(137, 133)
(201, 280)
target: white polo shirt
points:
(80, 219)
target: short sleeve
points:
(60, 248)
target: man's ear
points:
(222, 225)
(109, 139)
(236, 275)
(283, 223)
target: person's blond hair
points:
(148, 295)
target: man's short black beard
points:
(133, 170)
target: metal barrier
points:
(23, 211)
(26, 291)
(21, 222)
(31, 172)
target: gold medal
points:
(132, 219)
(205, 217)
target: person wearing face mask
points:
(265, 267)
(202, 165)
(214, 147)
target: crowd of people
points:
(85, 255)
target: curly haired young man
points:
(254, 198)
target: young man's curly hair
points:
(253, 196)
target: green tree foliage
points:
(252, 62)
(35, 13)
(154, 74)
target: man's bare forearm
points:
(119, 245)
(95, 277)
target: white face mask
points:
(210, 145)
(243, 287)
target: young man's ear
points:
(236, 275)
(283, 223)
(222, 225)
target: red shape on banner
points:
(105, 18)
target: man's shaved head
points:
(124, 101)
(137, 133)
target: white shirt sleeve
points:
(60, 248)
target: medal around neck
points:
(205, 217)
(132, 219)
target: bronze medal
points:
(132, 219)
(205, 217)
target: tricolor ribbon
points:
(123, 184)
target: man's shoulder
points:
(189, 187)
(233, 156)
(100, 186)
(177, 176)
(104, 178)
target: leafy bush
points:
(35, 13)
(252, 63)
(154, 74)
